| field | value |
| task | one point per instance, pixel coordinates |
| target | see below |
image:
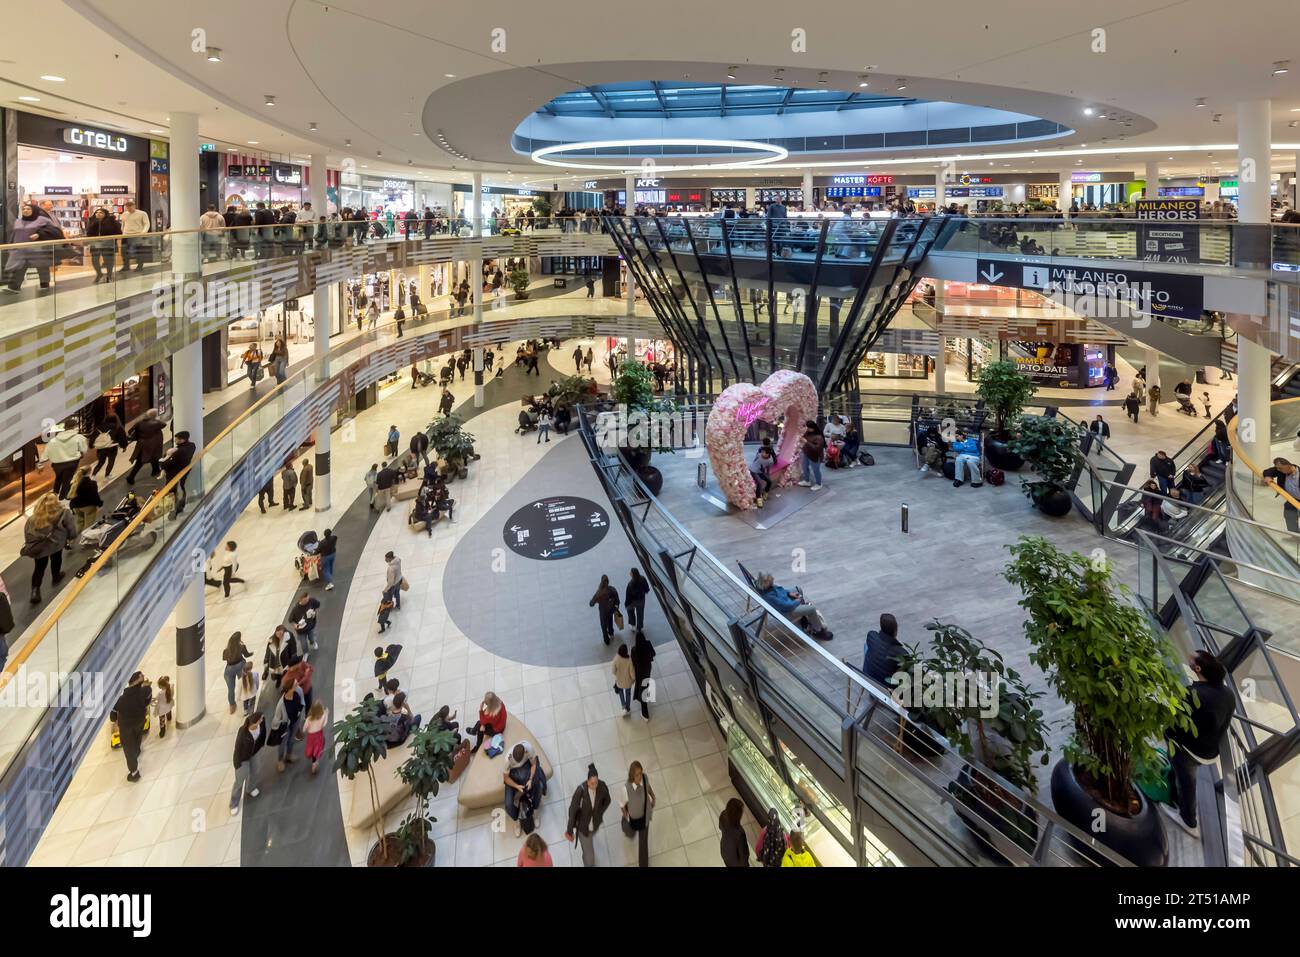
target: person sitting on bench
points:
(793, 605)
(967, 450)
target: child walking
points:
(386, 605)
(247, 686)
(317, 718)
(162, 704)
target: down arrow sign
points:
(991, 273)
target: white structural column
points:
(320, 311)
(187, 408)
(938, 188)
(1153, 179)
(940, 362)
(1065, 192)
(1254, 362)
(629, 209)
(807, 189)
(1153, 367)
(476, 283)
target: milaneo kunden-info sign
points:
(1154, 293)
(1170, 233)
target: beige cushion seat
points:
(392, 790)
(481, 784)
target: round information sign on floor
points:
(556, 527)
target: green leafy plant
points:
(358, 744)
(1101, 657)
(542, 205)
(450, 440)
(634, 385)
(518, 281)
(1011, 739)
(1005, 390)
(1048, 444)
(427, 766)
(572, 390)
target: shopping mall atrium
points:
(924, 385)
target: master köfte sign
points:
(1115, 290)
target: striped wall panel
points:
(53, 369)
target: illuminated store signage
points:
(589, 184)
(58, 190)
(862, 179)
(1078, 176)
(647, 183)
(401, 185)
(287, 175)
(967, 179)
(94, 139)
(920, 192)
(981, 192)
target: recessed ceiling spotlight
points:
(1087, 111)
(270, 100)
(1200, 102)
(51, 78)
(157, 131)
(863, 81)
(252, 142)
(821, 77)
(902, 85)
(214, 54)
(30, 99)
(1281, 66)
(347, 142)
(1217, 118)
(1293, 124)
(379, 152)
(450, 76)
(731, 73)
(312, 127)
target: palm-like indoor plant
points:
(1005, 391)
(518, 280)
(1047, 444)
(426, 768)
(1101, 658)
(996, 722)
(452, 444)
(358, 745)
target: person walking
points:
(1132, 406)
(643, 656)
(577, 358)
(247, 687)
(1154, 394)
(135, 223)
(393, 580)
(634, 599)
(275, 658)
(371, 478)
(327, 549)
(445, 402)
(85, 500)
(162, 704)
(1210, 705)
(591, 287)
(318, 717)
(420, 448)
(606, 602)
(266, 495)
(103, 255)
(226, 562)
(637, 805)
(534, 853)
(288, 485)
(306, 479)
(624, 678)
(234, 656)
(109, 440)
(797, 854)
(1100, 430)
(590, 358)
(814, 449)
(47, 532)
(289, 709)
(278, 360)
(129, 714)
(390, 447)
(63, 452)
(249, 739)
(148, 436)
(385, 482)
(733, 842)
(586, 812)
(544, 423)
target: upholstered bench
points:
(481, 784)
(392, 790)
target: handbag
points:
(618, 619)
(30, 549)
(405, 585)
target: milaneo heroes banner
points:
(1174, 236)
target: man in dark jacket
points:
(419, 447)
(130, 713)
(384, 483)
(882, 652)
(177, 461)
(446, 401)
(1162, 470)
(1211, 704)
(266, 494)
(148, 437)
(643, 655)
(586, 811)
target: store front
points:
(247, 181)
(376, 195)
(1099, 190)
(1062, 365)
(894, 365)
(69, 170)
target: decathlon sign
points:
(95, 139)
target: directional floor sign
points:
(554, 528)
(1088, 291)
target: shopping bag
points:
(406, 586)
(618, 619)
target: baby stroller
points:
(308, 561)
(423, 378)
(526, 423)
(1185, 406)
(111, 526)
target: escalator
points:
(1286, 381)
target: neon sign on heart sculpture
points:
(785, 396)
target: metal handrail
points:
(1246, 460)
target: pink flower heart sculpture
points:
(784, 397)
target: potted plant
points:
(1048, 445)
(572, 390)
(1102, 659)
(995, 722)
(542, 206)
(633, 391)
(518, 280)
(358, 744)
(453, 444)
(426, 768)
(1005, 391)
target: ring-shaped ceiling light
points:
(772, 154)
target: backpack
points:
(866, 458)
(771, 846)
(995, 476)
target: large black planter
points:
(637, 458)
(1054, 501)
(998, 816)
(1140, 838)
(653, 479)
(998, 451)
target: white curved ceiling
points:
(375, 71)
